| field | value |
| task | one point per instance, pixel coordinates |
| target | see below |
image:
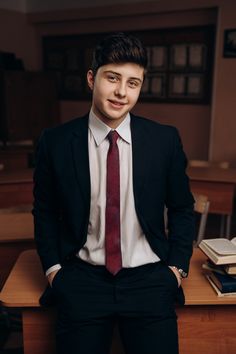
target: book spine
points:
(218, 292)
(228, 288)
(224, 287)
(230, 269)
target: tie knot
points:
(113, 136)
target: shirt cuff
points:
(52, 269)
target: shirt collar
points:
(100, 130)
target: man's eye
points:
(112, 78)
(133, 84)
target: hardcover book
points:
(220, 250)
(230, 268)
(209, 265)
(224, 282)
(218, 292)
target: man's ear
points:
(90, 79)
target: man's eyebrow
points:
(118, 74)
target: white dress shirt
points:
(135, 248)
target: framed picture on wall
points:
(229, 50)
(179, 61)
(157, 86)
(177, 85)
(195, 85)
(197, 56)
(186, 86)
(157, 57)
(179, 56)
(154, 86)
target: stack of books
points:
(220, 265)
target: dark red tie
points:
(112, 227)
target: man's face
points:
(116, 88)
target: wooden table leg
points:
(38, 331)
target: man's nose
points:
(120, 89)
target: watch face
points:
(183, 273)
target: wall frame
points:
(157, 57)
(229, 50)
(177, 87)
(179, 56)
(197, 56)
(154, 85)
(190, 86)
(179, 61)
(195, 86)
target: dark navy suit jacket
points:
(62, 191)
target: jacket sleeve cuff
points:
(52, 269)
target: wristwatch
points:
(182, 273)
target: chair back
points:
(201, 207)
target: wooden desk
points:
(16, 235)
(16, 187)
(206, 322)
(219, 185)
(16, 227)
(14, 158)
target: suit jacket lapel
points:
(81, 158)
(141, 157)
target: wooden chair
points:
(201, 207)
(219, 164)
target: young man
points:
(101, 184)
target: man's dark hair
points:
(119, 48)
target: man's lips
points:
(117, 103)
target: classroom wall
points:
(15, 5)
(193, 121)
(223, 117)
(19, 37)
(206, 130)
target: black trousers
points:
(140, 300)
